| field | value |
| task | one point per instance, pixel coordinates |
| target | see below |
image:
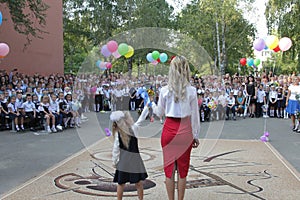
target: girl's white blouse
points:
(189, 107)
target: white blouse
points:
(295, 90)
(135, 128)
(189, 107)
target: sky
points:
(255, 16)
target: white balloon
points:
(285, 43)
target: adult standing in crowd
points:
(178, 102)
(292, 104)
(251, 91)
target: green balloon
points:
(256, 62)
(123, 49)
(155, 55)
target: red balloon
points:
(277, 49)
(243, 61)
(158, 60)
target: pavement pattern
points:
(231, 162)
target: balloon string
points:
(265, 125)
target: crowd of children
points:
(36, 102)
(59, 101)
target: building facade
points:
(43, 56)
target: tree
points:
(283, 19)
(25, 14)
(89, 23)
(220, 28)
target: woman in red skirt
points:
(178, 102)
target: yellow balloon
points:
(130, 52)
(272, 41)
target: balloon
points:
(154, 62)
(98, 63)
(112, 46)
(266, 48)
(276, 49)
(256, 62)
(259, 44)
(155, 55)
(123, 49)
(163, 57)
(103, 65)
(105, 52)
(285, 43)
(250, 62)
(4, 49)
(108, 65)
(264, 138)
(266, 134)
(243, 61)
(116, 54)
(107, 132)
(149, 57)
(1, 18)
(130, 52)
(272, 41)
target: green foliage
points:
(283, 18)
(199, 20)
(90, 23)
(28, 16)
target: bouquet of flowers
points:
(150, 92)
(298, 97)
(212, 105)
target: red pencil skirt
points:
(176, 142)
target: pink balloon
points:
(108, 65)
(285, 43)
(103, 65)
(105, 52)
(155, 62)
(112, 46)
(259, 44)
(116, 54)
(4, 49)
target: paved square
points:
(234, 169)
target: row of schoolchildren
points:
(218, 105)
(112, 98)
(55, 112)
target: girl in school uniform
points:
(126, 158)
(280, 103)
(15, 115)
(46, 113)
(273, 101)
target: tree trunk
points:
(223, 65)
(129, 64)
(218, 45)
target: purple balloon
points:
(259, 44)
(264, 138)
(105, 52)
(266, 134)
(107, 132)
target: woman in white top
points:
(178, 102)
(292, 104)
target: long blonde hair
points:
(179, 74)
(123, 127)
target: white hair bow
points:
(116, 116)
